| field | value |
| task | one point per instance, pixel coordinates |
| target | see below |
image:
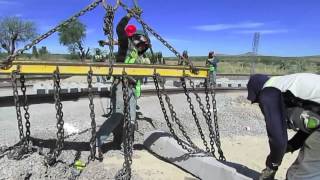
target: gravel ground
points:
(236, 117)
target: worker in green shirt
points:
(132, 44)
(212, 62)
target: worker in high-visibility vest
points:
(132, 44)
(290, 102)
(212, 62)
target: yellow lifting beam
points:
(71, 68)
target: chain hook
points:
(115, 7)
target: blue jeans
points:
(212, 77)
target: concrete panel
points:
(200, 165)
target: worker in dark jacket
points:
(290, 102)
(132, 46)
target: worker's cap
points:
(130, 30)
(255, 85)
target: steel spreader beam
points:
(71, 68)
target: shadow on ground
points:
(241, 169)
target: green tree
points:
(35, 52)
(14, 30)
(73, 36)
(284, 65)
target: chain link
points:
(8, 62)
(26, 108)
(92, 116)
(108, 30)
(164, 42)
(145, 31)
(212, 134)
(59, 116)
(215, 119)
(14, 77)
(194, 114)
(175, 119)
(206, 114)
(164, 111)
(125, 172)
(21, 149)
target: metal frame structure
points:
(71, 68)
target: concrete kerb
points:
(200, 165)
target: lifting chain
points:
(145, 31)
(26, 108)
(6, 64)
(206, 114)
(194, 114)
(164, 42)
(108, 30)
(125, 172)
(160, 93)
(59, 115)
(92, 116)
(212, 134)
(21, 149)
(215, 118)
(17, 103)
(164, 111)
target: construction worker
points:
(98, 57)
(290, 102)
(212, 61)
(132, 46)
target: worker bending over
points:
(290, 102)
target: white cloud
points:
(6, 2)
(219, 27)
(263, 31)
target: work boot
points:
(117, 140)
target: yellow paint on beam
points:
(66, 68)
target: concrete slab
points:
(200, 165)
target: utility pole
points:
(255, 47)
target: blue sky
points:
(287, 27)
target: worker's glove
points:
(267, 174)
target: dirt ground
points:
(244, 141)
(251, 151)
